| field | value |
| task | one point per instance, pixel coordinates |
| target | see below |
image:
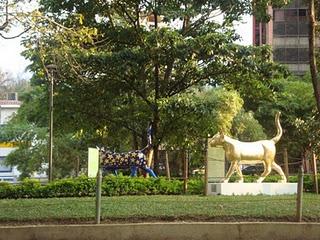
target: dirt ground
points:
(153, 219)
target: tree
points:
(193, 116)
(246, 128)
(312, 53)
(15, 13)
(28, 129)
(108, 59)
(5, 23)
(3, 83)
(293, 97)
(31, 155)
(9, 84)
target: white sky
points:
(244, 28)
(13, 63)
(10, 59)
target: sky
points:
(10, 59)
(14, 64)
(244, 28)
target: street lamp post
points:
(51, 70)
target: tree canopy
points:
(123, 64)
(109, 59)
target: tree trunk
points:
(167, 166)
(186, 21)
(156, 120)
(135, 141)
(315, 173)
(185, 158)
(156, 115)
(312, 57)
(286, 162)
(77, 166)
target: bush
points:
(6, 189)
(29, 188)
(84, 186)
(118, 186)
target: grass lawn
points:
(160, 208)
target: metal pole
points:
(206, 171)
(98, 196)
(300, 194)
(50, 126)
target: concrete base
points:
(168, 231)
(251, 188)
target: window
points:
(12, 96)
(292, 55)
(279, 54)
(292, 28)
(4, 168)
(304, 28)
(279, 29)
(302, 12)
(278, 15)
(290, 14)
(303, 55)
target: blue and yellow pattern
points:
(112, 161)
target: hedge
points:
(115, 186)
(84, 186)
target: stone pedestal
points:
(251, 188)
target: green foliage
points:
(131, 69)
(83, 186)
(77, 187)
(246, 128)
(29, 130)
(199, 114)
(115, 75)
(293, 97)
(32, 152)
(195, 186)
(115, 186)
(7, 190)
(310, 129)
(28, 188)
(119, 186)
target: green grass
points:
(143, 208)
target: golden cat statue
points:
(262, 151)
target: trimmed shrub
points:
(84, 186)
(6, 190)
(118, 186)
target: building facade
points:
(287, 33)
(7, 109)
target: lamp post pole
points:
(51, 71)
(50, 128)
